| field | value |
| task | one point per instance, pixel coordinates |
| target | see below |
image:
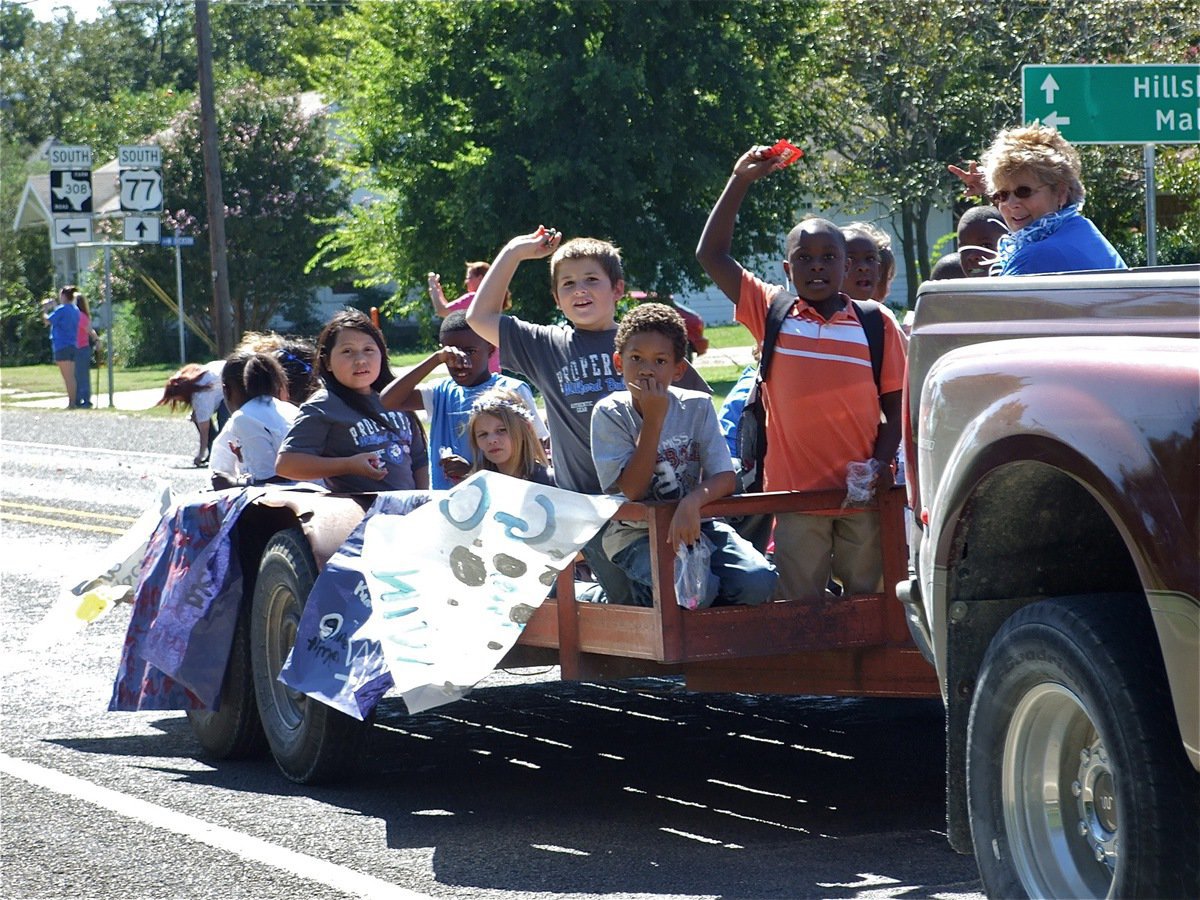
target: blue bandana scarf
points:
(1010, 244)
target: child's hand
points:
(367, 465)
(652, 397)
(455, 358)
(455, 468)
(685, 524)
(536, 244)
(971, 178)
(754, 163)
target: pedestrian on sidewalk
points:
(85, 340)
(63, 320)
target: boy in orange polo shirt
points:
(823, 408)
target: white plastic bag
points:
(860, 482)
(692, 567)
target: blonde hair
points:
(518, 420)
(1036, 151)
(874, 232)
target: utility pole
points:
(221, 306)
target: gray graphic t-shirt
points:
(572, 369)
(690, 449)
(327, 426)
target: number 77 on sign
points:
(141, 190)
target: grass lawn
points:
(727, 336)
(45, 379)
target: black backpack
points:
(752, 424)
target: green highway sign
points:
(1115, 104)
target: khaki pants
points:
(809, 549)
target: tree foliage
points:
(919, 84)
(470, 122)
(278, 186)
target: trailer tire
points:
(233, 731)
(311, 742)
(1077, 782)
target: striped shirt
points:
(820, 397)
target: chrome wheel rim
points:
(284, 623)
(1059, 794)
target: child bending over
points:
(654, 441)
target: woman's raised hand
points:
(971, 178)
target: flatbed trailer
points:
(847, 646)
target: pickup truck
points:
(1052, 429)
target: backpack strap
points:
(780, 306)
(871, 317)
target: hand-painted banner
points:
(437, 597)
(184, 609)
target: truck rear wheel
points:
(310, 741)
(1077, 783)
(233, 731)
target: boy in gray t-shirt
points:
(655, 441)
(571, 365)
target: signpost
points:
(1118, 104)
(141, 191)
(177, 240)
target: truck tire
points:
(311, 742)
(233, 731)
(1077, 782)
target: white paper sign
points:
(453, 583)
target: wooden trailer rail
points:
(849, 645)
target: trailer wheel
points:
(310, 741)
(1077, 782)
(233, 731)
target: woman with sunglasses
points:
(1031, 174)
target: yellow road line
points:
(59, 523)
(116, 517)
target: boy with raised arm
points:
(571, 365)
(823, 407)
(448, 402)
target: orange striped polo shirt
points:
(822, 407)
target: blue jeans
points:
(83, 380)
(739, 574)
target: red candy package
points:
(786, 149)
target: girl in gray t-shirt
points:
(343, 435)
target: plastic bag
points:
(860, 482)
(692, 572)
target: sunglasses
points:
(1024, 192)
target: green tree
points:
(278, 187)
(469, 122)
(918, 84)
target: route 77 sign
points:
(141, 190)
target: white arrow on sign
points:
(1049, 86)
(141, 190)
(143, 229)
(70, 230)
(1054, 120)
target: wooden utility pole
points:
(221, 306)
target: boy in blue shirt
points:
(448, 402)
(655, 441)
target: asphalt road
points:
(528, 788)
